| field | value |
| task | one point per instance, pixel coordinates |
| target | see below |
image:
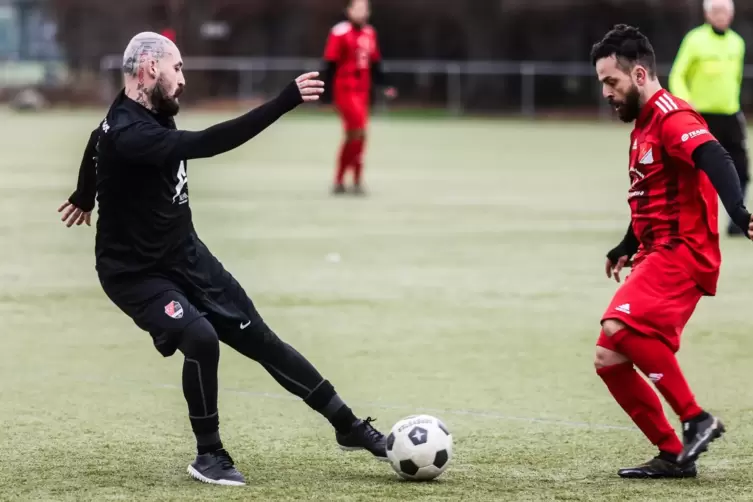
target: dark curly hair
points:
(629, 46)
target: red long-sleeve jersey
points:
(354, 50)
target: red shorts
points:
(353, 108)
(656, 300)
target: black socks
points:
(207, 443)
(324, 400)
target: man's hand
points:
(390, 93)
(750, 227)
(617, 259)
(310, 89)
(613, 268)
(72, 214)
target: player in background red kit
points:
(353, 61)
(676, 169)
(169, 34)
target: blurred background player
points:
(352, 62)
(169, 34)
(708, 73)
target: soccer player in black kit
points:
(154, 267)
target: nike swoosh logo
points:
(244, 325)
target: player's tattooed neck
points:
(143, 94)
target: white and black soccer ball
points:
(419, 447)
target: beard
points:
(629, 108)
(162, 102)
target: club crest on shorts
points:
(174, 310)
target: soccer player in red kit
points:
(676, 169)
(352, 61)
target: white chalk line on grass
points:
(390, 406)
(437, 411)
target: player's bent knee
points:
(356, 134)
(610, 327)
(200, 339)
(605, 357)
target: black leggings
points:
(201, 348)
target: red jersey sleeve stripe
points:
(671, 101)
(666, 104)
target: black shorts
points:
(166, 301)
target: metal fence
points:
(527, 88)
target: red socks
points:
(345, 160)
(640, 401)
(357, 159)
(351, 154)
(659, 364)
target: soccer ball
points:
(419, 447)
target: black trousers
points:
(731, 131)
(193, 305)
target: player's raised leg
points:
(240, 326)
(298, 376)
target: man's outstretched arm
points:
(150, 143)
(77, 209)
(715, 161)
(228, 135)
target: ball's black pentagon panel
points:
(441, 458)
(418, 435)
(408, 467)
(390, 441)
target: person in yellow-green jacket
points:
(707, 73)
